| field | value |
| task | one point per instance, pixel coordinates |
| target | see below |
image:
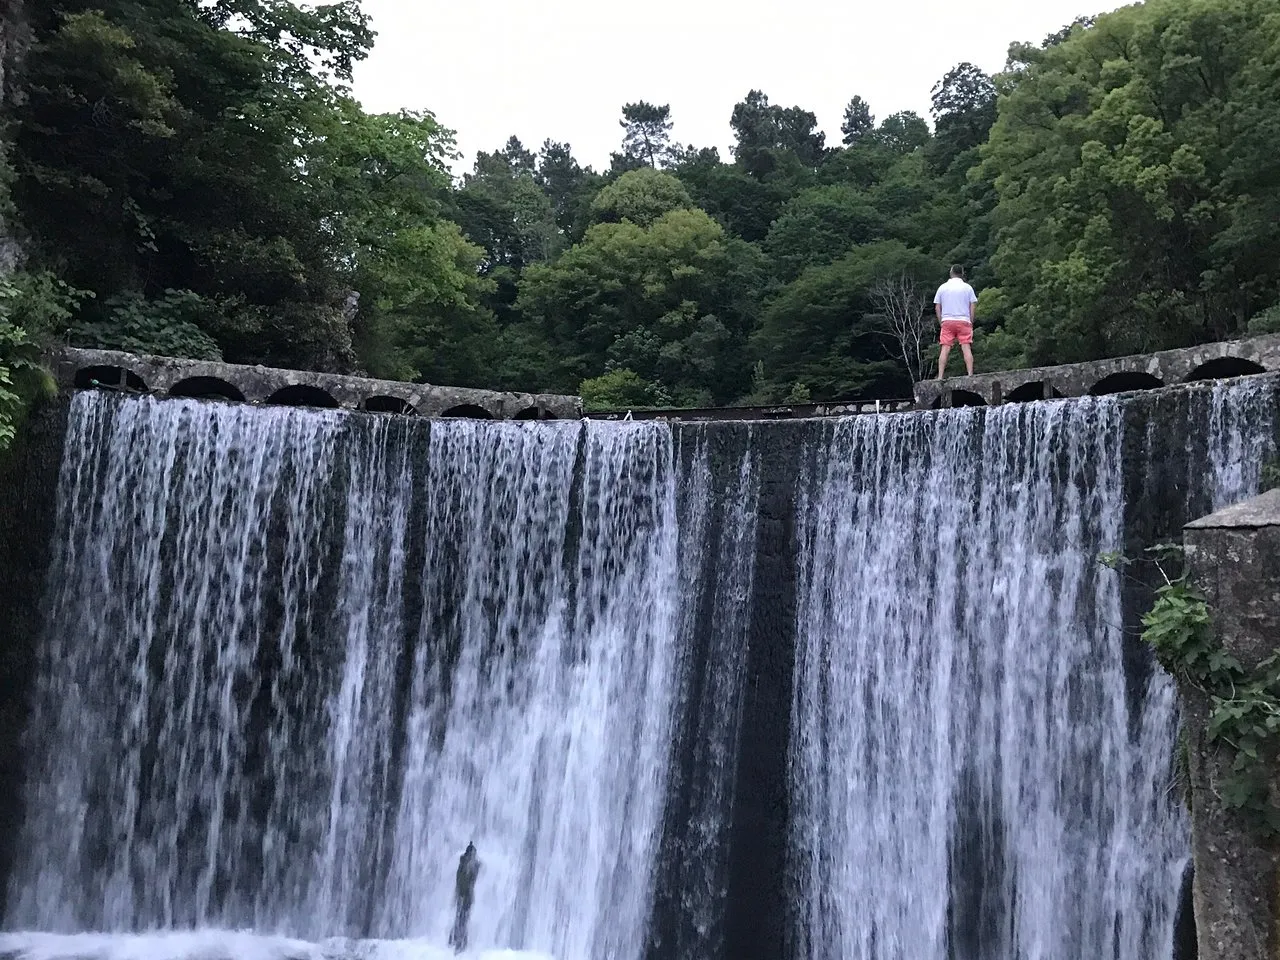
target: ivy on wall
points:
(1244, 704)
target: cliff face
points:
(14, 40)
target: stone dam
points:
(825, 688)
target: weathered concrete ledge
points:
(1210, 361)
(784, 411)
(167, 376)
(1235, 560)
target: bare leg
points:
(942, 361)
(968, 357)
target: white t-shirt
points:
(955, 296)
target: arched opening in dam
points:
(109, 377)
(207, 388)
(385, 404)
(1221, 368)
(1030, 392)
(1125, 381)
(302, 395)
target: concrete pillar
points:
(1235, 560)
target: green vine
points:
(1271, 474)
(1244, 705)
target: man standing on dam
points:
(464, 893)
(956, 306)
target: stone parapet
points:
(1209, 361)
(167, 376)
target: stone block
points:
(1235, 560)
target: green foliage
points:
(1244, 705)
(646, 136)
(799, 393)
(641, 197)
(819, 226)
(858, 121)
(195, 178)
(29, 307)
(185, 147)
(568, 186)
(1268, 321)
(761, 128)
(670, 301)
(170, 326)
(17, 354)
(744, 205)
(1136, 172)
(823, 329)
(964, 109)
(429, 325)
(621, 389)
(41, 304)
(902, 132)
(1270, 479)
(502, 208)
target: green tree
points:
(620, 389)
(858, 121)
(671, 300)
(424, 305)
(1138, 185)
(907, 200)
(163, 147)
(429, 324)
(1058, 36)
(819, 226)
(646, 137)
(902, 132)
(568, 186)
(744, 205)
(964, 109)
(761, 127)
(824, 329)
(35, 310)
(502, 207)
(641, 197)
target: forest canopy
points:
(195, 178)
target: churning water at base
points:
(295, 660)
(226, 945)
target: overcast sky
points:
(563, 68)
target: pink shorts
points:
(955, 331)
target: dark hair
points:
(957, 271)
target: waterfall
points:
(547, 741)
(1237, 438)
(972, 776)
(293, 661)
(172, 711)
(239, 597)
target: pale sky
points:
(564, 68)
